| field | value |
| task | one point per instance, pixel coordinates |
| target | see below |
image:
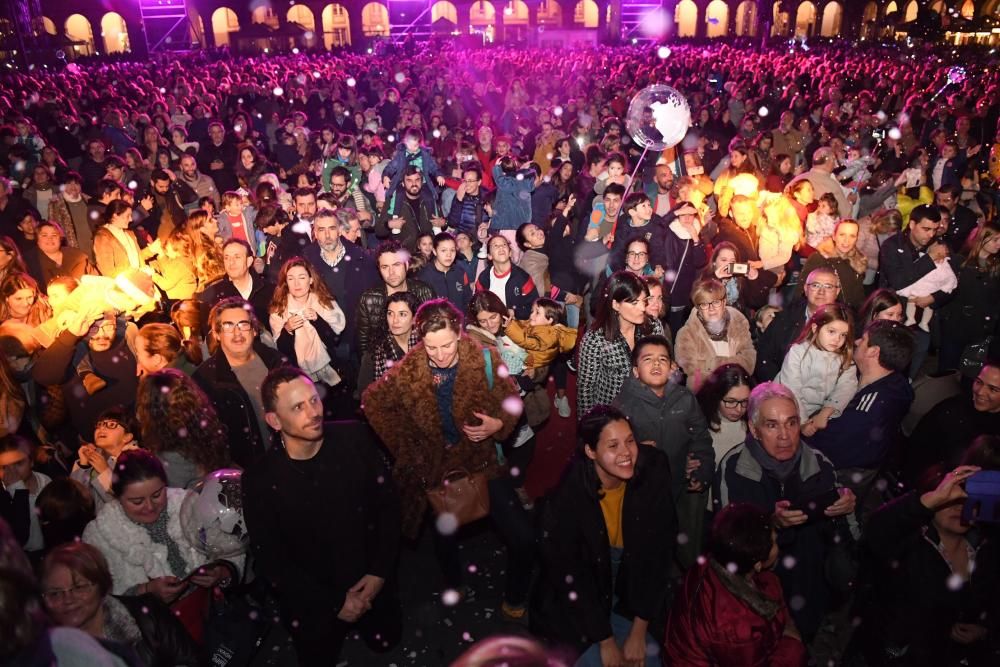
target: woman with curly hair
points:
(202, 229)
(179, 424)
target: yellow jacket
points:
(542, 343)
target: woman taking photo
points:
(970, 316)
(609, 533)
(305, 320)
(605, 357)
(76, 588)
(140, 535)
(442, 409)
(745, 291)
(179, 424)
(715, 334)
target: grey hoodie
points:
(675, 423)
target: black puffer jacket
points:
(371, 310)
(144, 624)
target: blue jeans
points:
(572, 316)
(620, 628)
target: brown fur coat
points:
(402, 408)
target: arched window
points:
(586, 14)
(224, 21)
(746, 18)
(911, 11)
(482, 14)
(336, 26)
(805, 20)
(717, 18)
(833, 14)
(78, 30)
(549, 13)
(264, 13)
(375, 20)
(115, 33)
(444, 10)
(686, 18)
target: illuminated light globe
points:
(658, 117)
(956, 75)
(212, 515)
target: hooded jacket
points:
(676, 426)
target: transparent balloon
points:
(212, 515)
(658, 117)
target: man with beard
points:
(412, 216)
(202, 184)
(347, 196)
(169, 196)
(104, 378)
(346, 269)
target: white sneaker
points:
(562, 406)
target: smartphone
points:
(983, 503)
(814, 506)
(737, 268)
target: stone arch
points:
(717, 19)
(224, 21)
(336, 26)
(686, 18)
(746, 18)
(78, 30)
(833, 16)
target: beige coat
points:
(697, 356)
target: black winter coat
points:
(572, 602)
(774, 342)
(217, 379)
(371, 318)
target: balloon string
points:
(631, 182)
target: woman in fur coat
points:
(441, 409)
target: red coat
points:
(709, 626)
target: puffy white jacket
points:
(816, 379)
(133, 557)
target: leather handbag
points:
(462, 494)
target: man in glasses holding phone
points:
(233, 375)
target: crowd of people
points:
(355, 277)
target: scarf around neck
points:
(780, 470)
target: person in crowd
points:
(139, 534)
(240, 280)
(65, 507)
(609, 528)
(392, 261)
(882, 304)
(76, 587)
(22, 301)
(665, 415)
(774, 469)
(731, 609)
(928, 579)
(444, 275)
(305, 320)
(56, 259)
(217, 158)
(824, 161)
(440, 409)
(400, 338)
(822, 289)
(158, 346)
(859, 441)
(714, 334)
(949, 427)
(486, 324)
(543, 336)
(104, 374)
(21, 486)
(969, 317)
(329, 582)
(114, 432)
(116, 248)
(179, 424)
(747, 289)
(819, 367)
(233, 375)
(512, 284)
(723, 399)
(201, 184)
(408, 214)
(839, 252)
(605, 352)
(470, 208)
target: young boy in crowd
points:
(114, 432)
